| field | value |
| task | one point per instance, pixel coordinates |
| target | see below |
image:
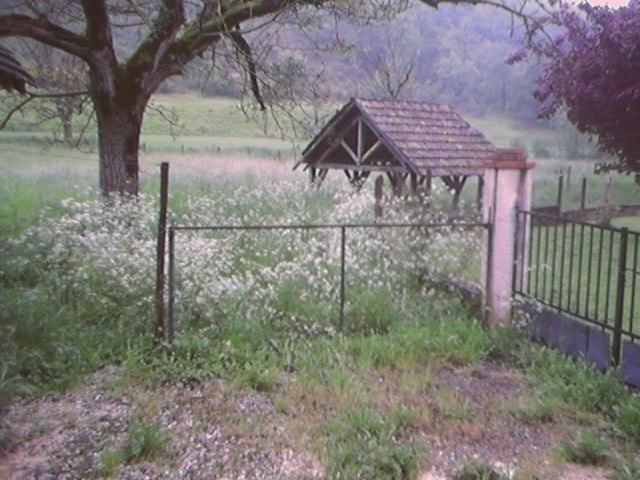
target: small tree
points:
(592, 68)
(59, 75)
(390, 65)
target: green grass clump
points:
(477, 470)
(144, 440)
(629, 470)
(363, 443)
(589, 448)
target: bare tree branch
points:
(245, 53)
(17, 108)
(32, 96)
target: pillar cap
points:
(510, 158)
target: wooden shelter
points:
(405, 140)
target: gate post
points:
(507, 189)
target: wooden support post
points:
(414, 184)
(378, 195)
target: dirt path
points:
(221, 432)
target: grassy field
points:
(414, 385)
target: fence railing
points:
(585, 270)
(343, 230)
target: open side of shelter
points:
(411, 142)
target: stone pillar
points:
(507, 188)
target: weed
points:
(11, 386)
(587, 449)
(5, 435)
(539, 409)
(629, 470)
(144, 440)
(575, 382)
(452, 405)
(258, 378)
(627, 419)
(478, 470)
(364, 444)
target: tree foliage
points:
(592, 69)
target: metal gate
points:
(578, 286)
(340, 231)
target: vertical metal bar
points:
(539, 265)
(590, 258)
(570, 281)
(563, 251)
(579, 297)
(622, 275)
(520, 251)
(599, 276)
(609, 275)
(546, 263)
(532, 286)
(172, 285)
(634, 277)
(583, 193)
(343, 235)
(554, 254)
(160, 251)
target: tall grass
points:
(87, 272)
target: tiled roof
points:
(426, 136)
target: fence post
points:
(621, 284)
(343, 234)
(172, 285)
(583, 194)
(507, 190)
(160, 250)
(560, 192)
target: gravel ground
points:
(221, 432)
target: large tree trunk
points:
(119, 125)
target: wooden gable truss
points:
(409, 142)
(357, 149)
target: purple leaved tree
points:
(592, 69)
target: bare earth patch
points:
(218, 431)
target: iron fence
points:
(343, 230)
(583, 270)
